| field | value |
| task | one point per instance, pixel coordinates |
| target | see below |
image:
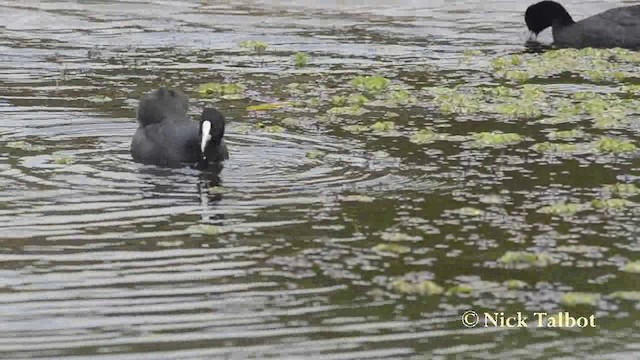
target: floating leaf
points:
(301, 59)
(357, 198)
(357, 129)
(516, 284)
(426, 287)
(632, 267)
(561, 209)
(392, 248)
(264, 107)
(579, 298)
(23, 145)
(315, 154)
(204, 229)
(220, 89)
(62, 160)
(623, 189)
(626, 295)
(615, 146)
(422, 136)
(496, 138)
(610, 204)
(460, 289)
(347, 110)
(256, 45)
(525, 258)
(383, 126)
(370, 83)
(547, 147)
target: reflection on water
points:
(293, 248)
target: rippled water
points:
(106, 258)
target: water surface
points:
(278, 255)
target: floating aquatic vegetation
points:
(226, 90)
(562, 209)
(301, 59)
(99, 99)
(533, 92)
(357, 198)
(594, 64)
(565, 134)
(347, 110)
(204, 229)
(525, 258)
(515, 284)
(468, 211)
(471, 52)
(371, 84)
(626, 295)
(255, 45)
(217, 190)
(315, 154)
(614, 146)
(518, 75)
(356, 129)
(62, 160)
(271, 128)
(426, 287)
(610, 204)
(383, 126)
(632, 267)
(338, 100)
(402, 97)
(579, 298)
(265, 107)
(357, 100)
(452, 101)
(23, 145)
(396, 236)
(547, 147)
(461, 289)
(495, 138)
(520, 109)
(623, 189)
(391, 248)
(500, 92)
(423, 136)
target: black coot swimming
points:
(167, 137)
(619, 27)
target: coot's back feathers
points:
(619, 27)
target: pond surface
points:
(422, 164)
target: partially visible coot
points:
(167, 137)
(619, 27)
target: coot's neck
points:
(562, 20)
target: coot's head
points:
(541, 15)
(211, 130)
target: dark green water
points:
(312, 240)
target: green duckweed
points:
(422, 136)
(392, 248)
(614, 146)
(301, 59)
(426, 287)
(579, 298)
(632, 267)
(496, 138)
(525, 258)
